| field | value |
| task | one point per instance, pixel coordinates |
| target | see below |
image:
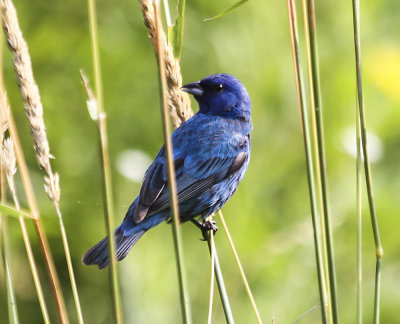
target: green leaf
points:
(11, 211)
(175, 32)
(236, 5)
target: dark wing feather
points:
(189, 186)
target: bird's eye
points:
(218, 87)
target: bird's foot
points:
(208, 226)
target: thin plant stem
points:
(220, 282)
(367, 168)
(315, 98)
(69, 265)
(32, 263)
(106, 166)
(34, 211)
(11, 301)
(313, 309)
(8, 161)
(308, 153)
(12, 304)
(212, 279)
(359, 219)
(34, 112)
(243, 275)
(185, 303)
(167, 13)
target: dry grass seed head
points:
(178, 101)
(8, 157)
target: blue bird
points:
(211, 156)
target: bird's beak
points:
(193, 88)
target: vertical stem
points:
(44, 244)
(29, 252)
(107, 187)
(186, 314)
(367, 169)
(30, 196)
(220, 282)
(11, 301)
(315, 95)
(359, 219)
(12, 304)
(243, 275)
(69, 264)
(308, 153)
(212, 252)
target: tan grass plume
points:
(178, 101)
(30, 96)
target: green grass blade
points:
(11, 211)
(315, 98)
(230, 9)
(308, 152)
(184, 296)
(106, 167)
(175, 32)
(367, 168)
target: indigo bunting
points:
(211, 155)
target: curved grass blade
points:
(230, 9)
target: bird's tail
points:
(98, 254)
(126, 235)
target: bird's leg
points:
(205, 227)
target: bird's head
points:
(222, 95)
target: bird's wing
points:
(193, 175)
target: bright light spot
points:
(132, 164)
(375, 147)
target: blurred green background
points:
(269, 216)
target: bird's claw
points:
(208, 226)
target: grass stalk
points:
(180, 108)
(34, 211)
(11, 301)
(243, 275)
(8, 161)
(106, 166)
(220, 281)
(359, 219)
(185, 303)
(367, 168)
(12, 304)
(212, 279)
(35, 215)
(34, 111)
(308, 153)
(315, 98)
